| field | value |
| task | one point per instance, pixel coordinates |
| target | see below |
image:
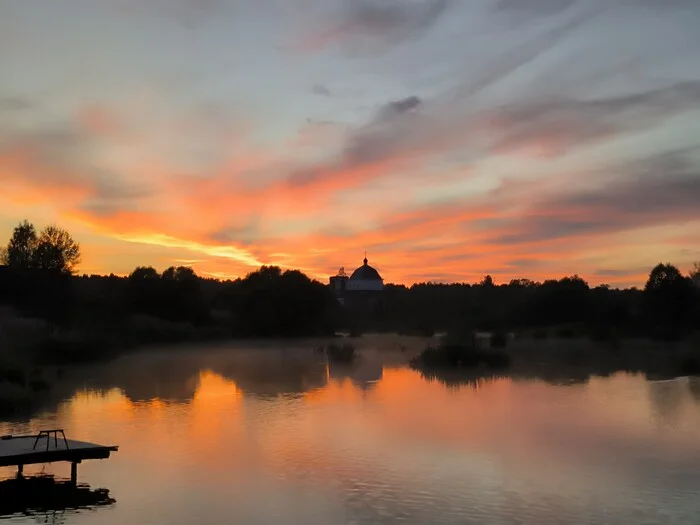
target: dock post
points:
(74, 473)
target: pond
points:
(271, 434)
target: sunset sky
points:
(447, 138)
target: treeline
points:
(37, 280)
(667, 307)
(268, 302)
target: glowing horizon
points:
(225, 135)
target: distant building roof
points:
(366, 273)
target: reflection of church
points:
(364, 285)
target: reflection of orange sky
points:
(340, 432)
(402, 403)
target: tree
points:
(487, 282)
(180, 274)
(181, 295)
(56, 251)
(695, 273)
(21, 249)
(669, 295)
(663, 276)
(144, 273)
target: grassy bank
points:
(33, 352)
(39, 343)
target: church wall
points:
(365, 284)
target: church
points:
(365, 283)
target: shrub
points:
(340, 353)
(496, 360)
(499, 340)
(566, 333)
(355, 332)
(540, 334)
(14, 376)
(460, 356)
(72, 346)
(39, 385)
(666, 333)
(689, 365)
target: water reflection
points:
(47, 499)
(273, 435)
(365, 372)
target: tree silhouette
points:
(21, 249)
(663, 277)
(270, 302)
(181, 291)
(695, 273)
(670, 296)
(143, 273)
(56, 251)
(487, 281)
(143, 291)
(179, 274)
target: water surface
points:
(270, 434)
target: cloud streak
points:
(388, 22)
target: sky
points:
(448, 139)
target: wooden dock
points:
(47, 447)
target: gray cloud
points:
(187, 13)
(561, 124)
(549, 7)
(64, 156)
(534, 6)
(381, 16)
(371, 143)
(14, 104)
(413, 127)
(639, 197)
(385, 21)
(245, 234)
(398, 107)
(605, 272)
(320, 89)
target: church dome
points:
(366, 273)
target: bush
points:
(566, 333)
(499, 340)
(460, 356)
(14, 376)
(146, 329)
(690, 365)
(73, 346)
(496, 360)
(340, 353)
(355, 332)
(604, 334)
(39, 385)
(666, 333)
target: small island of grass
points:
(455, 355)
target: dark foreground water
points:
(275, 436)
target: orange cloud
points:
(255, 206)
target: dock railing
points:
(47, 434)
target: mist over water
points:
(270, 433)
